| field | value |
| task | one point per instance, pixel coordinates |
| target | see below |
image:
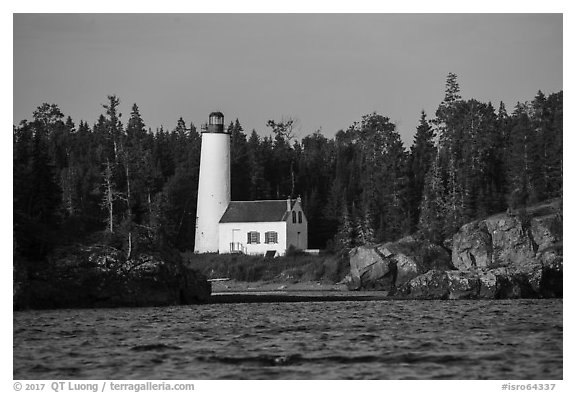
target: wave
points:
(391, 358)
(154, 347)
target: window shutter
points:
(271, 237)
(253, 237)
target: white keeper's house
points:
(267, 227)
(263, 227)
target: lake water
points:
(507, 339)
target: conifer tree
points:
(422, 154)
(239, 175)
(259, 163)
(137, 184)
(363, 228)
(109, 196)
(113, 125)
(520, 159)
(45, 194)
(282, 170)
(433, 206)
(552, 146)
(345, 235)
(449, 150)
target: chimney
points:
(288, 204)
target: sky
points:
(325, 71)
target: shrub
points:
(297, 267)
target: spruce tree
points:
(239, 175)
(520, 160)
(422, 154)
(345, 236)
(433, 207)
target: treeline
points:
(122, 183)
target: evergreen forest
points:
(120, 182)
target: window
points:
(271, 237)
(300, 217)
(294, 217)
(253, 237)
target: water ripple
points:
(510, 339)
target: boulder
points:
(389, 265)
(536, 279)
(514, 238)
(472, 246)
(546, 231)
(511, 243)
(512, 255)
(99, 276)
(521, 249)
(436, 284)
(472, 284)
(551, 281)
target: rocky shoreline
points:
(505, 256)
(509, 255)
(99, 276)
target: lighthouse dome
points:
(216, 118)
(215, 123)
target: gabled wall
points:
(237, 232)
(297, 233)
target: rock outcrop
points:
(504, 256)
(512, 255)
(505, 239)
(499, 283)
(99, 276)
(389, 265)
(454, 284)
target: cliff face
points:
(98, 276)
(506, 240)
(389, 265)
(517, 255)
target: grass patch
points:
(327, 268)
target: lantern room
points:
(215, 123)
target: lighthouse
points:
(213, 183)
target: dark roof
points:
(256, 211)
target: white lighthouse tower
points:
(213, 183)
